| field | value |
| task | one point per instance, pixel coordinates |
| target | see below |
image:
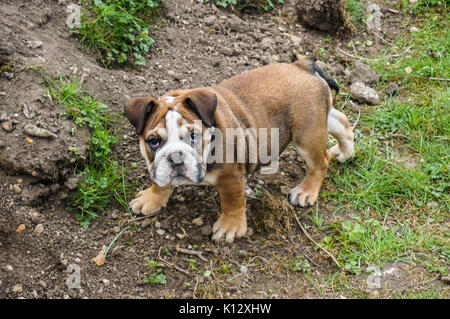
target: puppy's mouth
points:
(179, 175)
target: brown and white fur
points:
(295, 98)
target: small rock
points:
(364, 74)
(180, 198)
(106, 282)
(226, 51)
(72, 182)
(9, 75)
(116, 251)
(6, 48)
(16, 188)
(39, 229)
(17, 289)
(413, 29)
(7, 126)
(43, 283)
(210, 20)
(157, 225)
(364, 94)
(9, 268)
(160, 231)
(146, 223)
(352, 105)
(250, 193)
(198, 221)
(267, 43)
(4, 118)
(408, 70)
(33, 130)
(34, 215)
(250, 232)
(244, 269)
(392, 89)
(35, 44)
(21, 228)
(180, 236)
(116, 229)
(206, 230)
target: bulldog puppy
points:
(217, 135)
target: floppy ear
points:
(138, 111)
(203, 103)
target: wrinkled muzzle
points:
(178, 161)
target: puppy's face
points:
(174, 134)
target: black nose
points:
(176, 158)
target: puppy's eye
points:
(195, 137)
(154, 143)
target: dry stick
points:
(191, 252)
(170, 264)
(357, 119)
(385, 57)
(393, 11)
(445, 278)
(439, 79)
(312, 240)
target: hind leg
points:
(339, 127)
(314, 152)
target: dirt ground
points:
(196, 45)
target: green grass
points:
(118, 31)
(355, 9)
(397, 186)
(102, 177)
(156, 276)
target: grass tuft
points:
(118, 31)
(102, 177)
(398, 183)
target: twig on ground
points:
(357, 119)
(383, 58)
(310, 259)
(170, 265)
(393, 11)
(445, 279)
(439, 79)
(195, 289)
(191, 252)
(315, 243)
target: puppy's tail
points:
(312, 67)
(324, 75)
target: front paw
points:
(231, 227)
(303, 196)
(146, 203)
